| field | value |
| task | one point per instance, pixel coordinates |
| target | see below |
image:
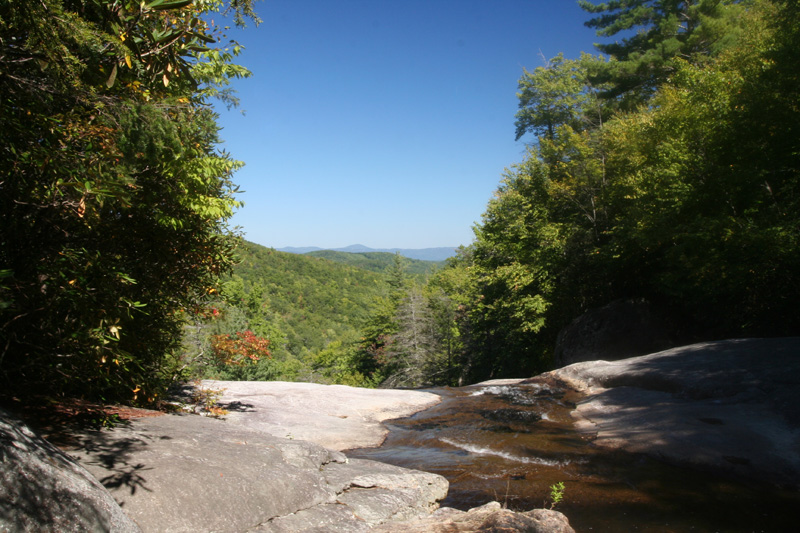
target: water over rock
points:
(729, 406)
(180, 472)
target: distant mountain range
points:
(423, 254)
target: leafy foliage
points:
(114, 197)
(559, 94)
(689, 201)
(556, 494)
(327, 321)
(316, 301)
(310, 310)
(239, 348)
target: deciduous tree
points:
(114, 195)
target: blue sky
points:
(384, 123)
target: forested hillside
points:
(299, 304)
(316, 300)
(300, 317)
(378, 261)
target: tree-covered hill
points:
(315, 300)
(299, 304)
(378, 261)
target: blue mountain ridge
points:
(423, 254)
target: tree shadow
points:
(114, 454)
(727, 407)
(238, 407)
(44, 487)
(186, 393)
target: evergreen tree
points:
(657, 33)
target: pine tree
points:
(656, 34)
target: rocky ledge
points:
(334, 416)
(191, 473)
(249, 472)
(44, 489)
(728, 406)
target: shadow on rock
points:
(728, 406)
(115, 457)
(43, 489)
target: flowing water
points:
(511, 443)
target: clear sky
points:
(386, 123)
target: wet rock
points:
(729, 406)
(489, 518)
(621, 329)
(42, 489)
(511, 415)
(190, 473)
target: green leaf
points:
(168, 4)
(113, 77)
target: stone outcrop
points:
(621, 329)
(334, 416)
(43, 489)
(189, 473)
(489, 518)
(730, 406)
(249, 472)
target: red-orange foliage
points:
(239, 348)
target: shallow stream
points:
(511, 443)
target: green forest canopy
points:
(673, 180)
(304, 305)
(379, 261)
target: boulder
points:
(367, 494)
(43, 489)
(621, 329)
(728, 406)
(489, 518)
(190, 473)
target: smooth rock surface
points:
(190, 473)
(334, 416)
(489, 518)
(43, 489)
(730, 406)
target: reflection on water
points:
(510, 443)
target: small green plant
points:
(556, 494)
(105, 420)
